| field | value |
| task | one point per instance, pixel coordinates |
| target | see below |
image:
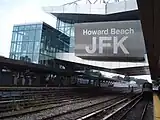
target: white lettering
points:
(95, 32)
(93, 46)
(115, 31)
(105, 32)
(105, 42)
(89, 32)
(119, 44)
(84, 32)
(102, 44)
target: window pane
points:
(24, 47)
(27, 27)
(68, 31)
(16, 57)
(18, 47)
(42, 46)
(11, 56)
(41, 58)
(31, 35)
(26, 36)
(35, 58)
(14, 36)
(36, 47)
(38, 35)
(30, 47)
(33, 27)
(21, 28)
(15, 28)
(13, 47)
(20, 36)
(39, 26)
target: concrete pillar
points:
(23, 80)
(15, 79)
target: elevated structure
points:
(99, 11)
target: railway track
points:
(135, 109)
(31, 101)
(30, 98)
(60, 104)
(74, 114)
(11, 105)
(15, 105)
(57, 107)
(137, 112)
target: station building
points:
(41, 43)
(59, 42)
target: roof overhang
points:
(80, 18)
(18, 65)
(130, 71)
(134, 71)
(79, 66)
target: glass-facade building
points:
(37, 43)
(67, 29)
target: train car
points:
(147, 90)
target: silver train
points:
(147, 90)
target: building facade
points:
(37, 43)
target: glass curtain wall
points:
(37, 43)
(52, 42)
(25, 42)
(47, 50)
(67, 29)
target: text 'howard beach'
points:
(111, 31)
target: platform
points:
(156, 107)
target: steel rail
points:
(144, 111)
(124, 106)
